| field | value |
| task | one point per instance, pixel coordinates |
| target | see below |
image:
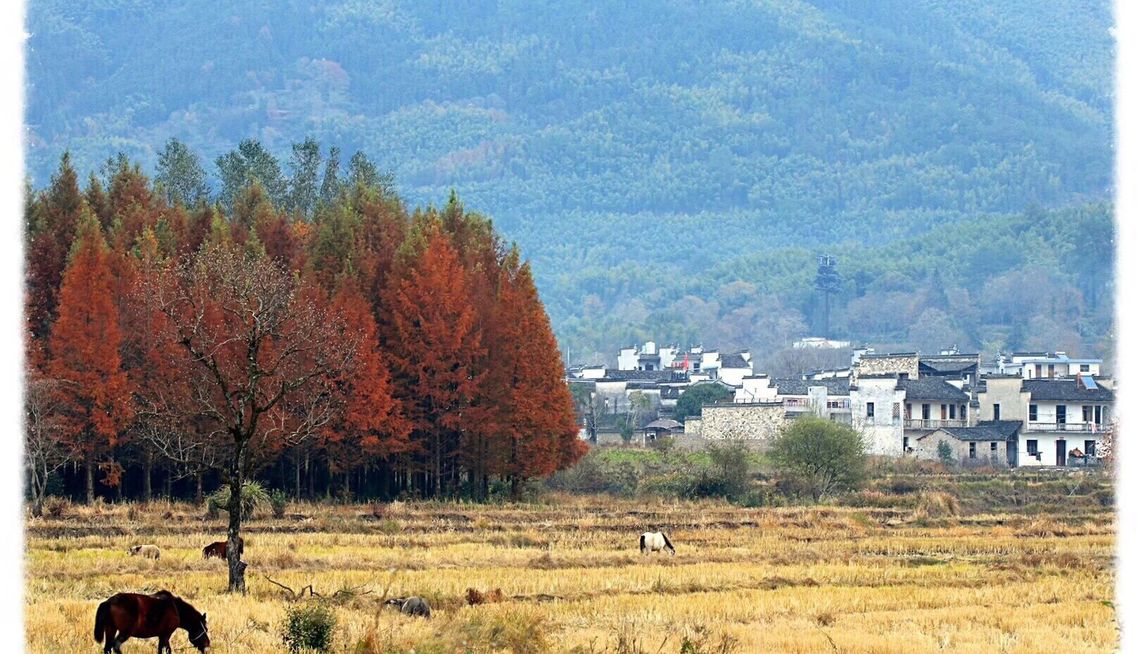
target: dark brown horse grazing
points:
(218, 549)
(148, 616)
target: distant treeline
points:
(439, 372)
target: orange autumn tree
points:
(84, 349)
(372, 426)
(436, 352)
(532, 423)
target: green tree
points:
(697, 396)
(250, 163)
(330, 183)
(180, 174)
(827, 456)
(305, 165)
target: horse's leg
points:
(118, 641)
(163, 644)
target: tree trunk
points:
(309, 472)
(296, 483)
(233, 555)
(90, 479)
(148, 465)
(37, 491)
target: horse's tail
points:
(667, 543)
(101, 616)
(643, 543)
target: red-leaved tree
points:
(84, 350)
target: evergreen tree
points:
(180, 175)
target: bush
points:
(946, 454)
(54, 506)
(253, 497)
(278, 499)
(308, 627)
(828, 457)
(936, 504)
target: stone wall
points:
(886, 364)
(755, 422)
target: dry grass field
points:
(572, 580)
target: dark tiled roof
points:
(931, 389)
(990, 430)
(1064, 390)
(800, 386)
(946, 365)
(733, 361)
(643, 375)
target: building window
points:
(926, 412)
(973, 450)
(1032, 413)
(1090, 448)
(1097, 415)
(908, 410)
(993, 447)
(870, 409)
(997, 412)
(1084, 367)
(1031, 447)
(895, 410)
(906, 444)
(1087, 413)
(943, 411)
(1062, 414)
(953, 411)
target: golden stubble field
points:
(572, 579)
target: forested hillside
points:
(673, 170)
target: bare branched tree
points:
(260, 358)
(45, 423)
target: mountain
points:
(650, 158)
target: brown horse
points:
(148, 616)
(218, 549)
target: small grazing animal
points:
(655, 541)
(411, 606)
(218, 550)
(148, 551)
(148, 616)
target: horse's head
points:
(134, 549)
(198, 635)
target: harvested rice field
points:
(567, 576)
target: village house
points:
(827, 398)
(992, 443)
(876, 411)
(1065, 418)
(1047, 365)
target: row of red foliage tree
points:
(395, 351)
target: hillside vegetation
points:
(641, 155)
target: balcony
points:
(933, 424)
(1076, 427)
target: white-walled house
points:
(827, 398)
(734, 368)
(876, 412)
(1047, 365)
(1063, 416)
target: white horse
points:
(655, 541)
